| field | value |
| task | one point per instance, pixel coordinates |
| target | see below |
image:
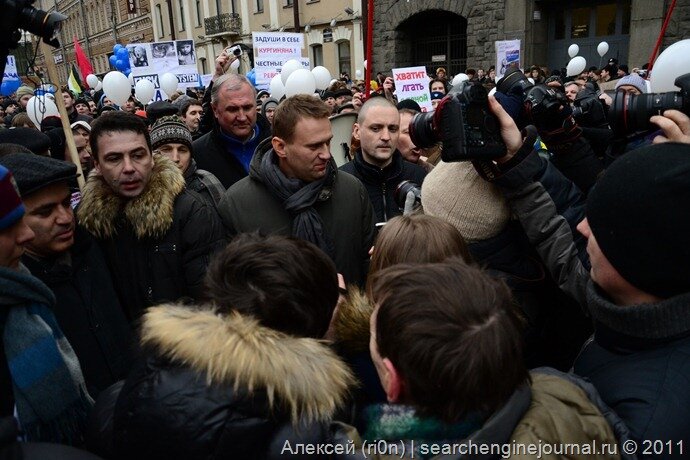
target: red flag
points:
(82, 61)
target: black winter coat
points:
(157, 245)
(88, 311)
(210, 153)
(643, 376)
(204, 409)
(382, 183)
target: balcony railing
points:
(226, 23)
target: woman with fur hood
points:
(243, 375)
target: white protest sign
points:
(413, 83)
(272, 50)
(205, 79)
(277, 43)
(507, 54)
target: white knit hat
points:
(456, 193)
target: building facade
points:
(455, 34)
(97, 25)
(333, 37)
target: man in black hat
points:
(67, 260)
(637, 290)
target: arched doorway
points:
(434, 38)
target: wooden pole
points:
(64, 118)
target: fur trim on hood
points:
(150, 214)
(351, 323)
(303, 374)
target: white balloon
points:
(670, 64)
(322, 77)
(40, 107)
(459, 78)
(92, 80)
(289, 67)
(276, 87)
(602, 48)
(358, 74)
(573, 50)
(301, 81)
(116, 87)
(168, 82)
(99, 86)
(144, 90)
(576, 66)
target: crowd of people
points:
(221, 288)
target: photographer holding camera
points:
(637, 290)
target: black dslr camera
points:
(630, 113)
(542, 105)
(465, 124)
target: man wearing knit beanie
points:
(24, 93)
(638, 288)
(633, 84)
(171, 137)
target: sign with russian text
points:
(272, 50)
(413, 83)
(268, 67)
(276, 43)
(507, 54)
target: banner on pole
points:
(413, 83)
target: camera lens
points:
(237, 51)
(422, 131)
(403, 189)
(630, 112)
(38, 22)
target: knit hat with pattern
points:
(170, 130)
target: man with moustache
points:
(378, 164)
(294, 188)
(157, 236)
(68, 261)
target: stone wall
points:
(485, 24)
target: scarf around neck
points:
(48, 385)
(298, 199)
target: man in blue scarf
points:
(41, 382)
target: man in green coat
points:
(294, 188)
